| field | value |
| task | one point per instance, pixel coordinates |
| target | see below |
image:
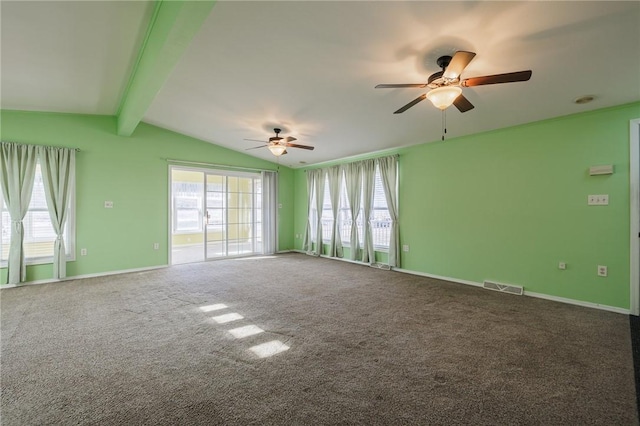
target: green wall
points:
(506, 205)
(509, 205)
(133, 173)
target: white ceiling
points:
(311, 67)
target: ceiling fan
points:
(278, 145)
(446, 85)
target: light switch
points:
(108, 204)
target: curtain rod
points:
(350, 162)
(222, 166)
(46, 146)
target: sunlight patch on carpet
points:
(222, 319)
(268, 349)
(215, 307)
(246, 331)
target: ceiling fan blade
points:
(255, 147)
(412, 103)
(463, 104)
(295, 145)
(510, 77)
(290, 139)
(253, 140)
(458, 63)
(398, 86)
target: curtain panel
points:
(269, 212)
(388, 167)
(335, 182)
(319, 190)
(315, 192)
(353, 185)
(368, 186)
(17, 174)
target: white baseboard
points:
(526, 293)
(578, 302)
(477, 284)
(437, 277)
(80, 277)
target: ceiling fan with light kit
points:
(278, 145)
(446, 85)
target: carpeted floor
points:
(340, 344)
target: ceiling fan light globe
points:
(443, 97)
(277, 149)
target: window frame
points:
(359, 217)
(70, 225)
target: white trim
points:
(577, 302)
(526, 293)
(634, 203)
(81, 277)
(438, 277)
(169, 214)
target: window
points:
(344, 216)
(327, 213)
(380, 219)
(39, 235)
(187, 205)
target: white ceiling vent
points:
(505, 288)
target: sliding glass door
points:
(215, 214)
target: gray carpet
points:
(365, 346)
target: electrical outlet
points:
(598, 200)
(602, 271)
(108, 204)
(562, 265)
(83, 252)
(156, 246)
(405, 247)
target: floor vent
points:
(505, 288)
(381, 266)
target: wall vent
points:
(505, 288)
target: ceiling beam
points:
(171, 29)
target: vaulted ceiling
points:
(240, 68)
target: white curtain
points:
(368, 185)
(269, 212)
(335, 182)
(17, 173)
(319, 183)
(58, 170)
(313, 176)
(307, 244)
(353, 184)
(388, 167)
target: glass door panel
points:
(216, 216)
(187, 232)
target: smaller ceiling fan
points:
(278, 145)
(446, 85)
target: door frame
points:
(634, 202)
